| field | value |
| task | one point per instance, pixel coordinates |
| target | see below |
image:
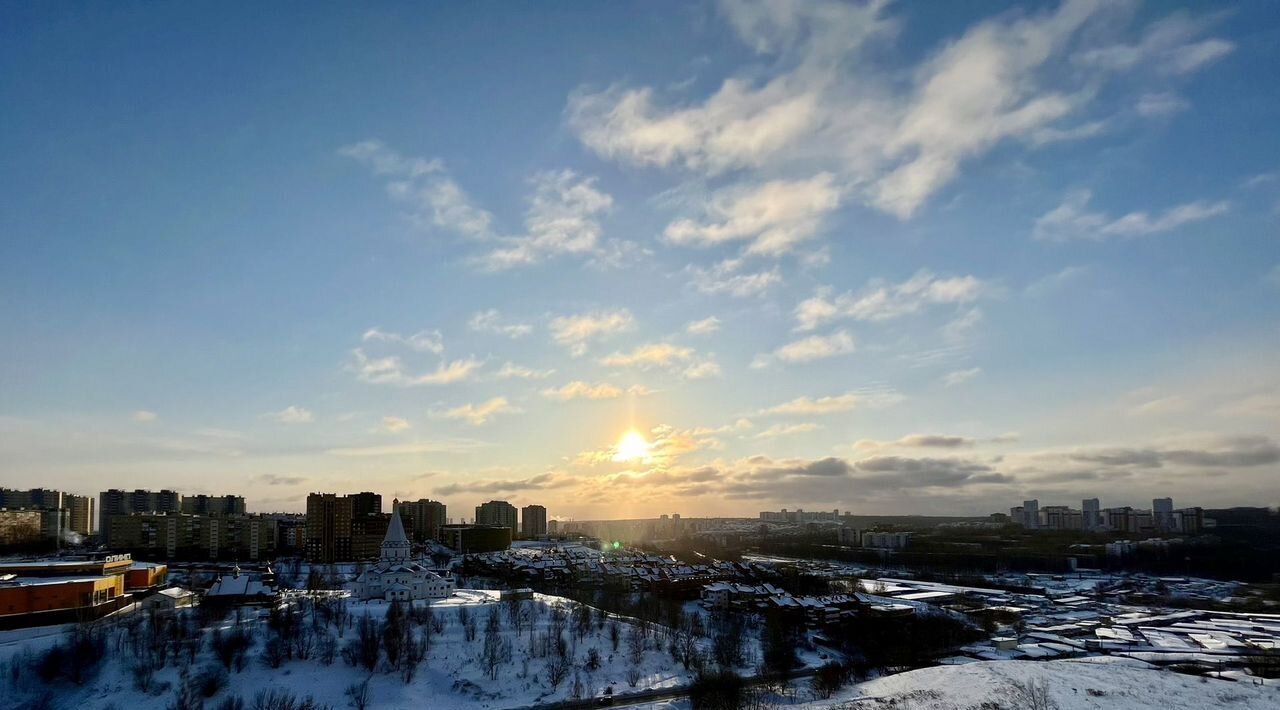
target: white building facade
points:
(396, 577)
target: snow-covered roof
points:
(238, 585)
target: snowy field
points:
(1093, 684)
(1070, 685)
(453, 673)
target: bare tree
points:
(358, 694)
(491, 655)
(393, 629)
(1031, 695)
(635, 645)
(557, 669)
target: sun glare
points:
(631, 447)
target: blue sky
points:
(886, 257)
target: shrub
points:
(211, 680)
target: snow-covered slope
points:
(1070, 685)
(452, 677)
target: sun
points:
(631, 447)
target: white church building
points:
(396, 577)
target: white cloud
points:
(481, 413)
(292, 415)
(384, 161)
(427, 341)
(577, 332)
(1054, 134)
(703, 327)
(650, 355)
(808, 406)
(143, 415)
(1072, 220)
(448, 373)
(959, 377)
(725, 278)
(1171, 45)
(511, 370)
(391, 371)
(880, 302)
(958, 329)
(773, 216)
(819, 103)
(814, 347)
(586, 390)
(1156, 104)
(491, 321)
(741, 125)
(976, 92)
(563, 218)
(1162, 406)
(435, 200)
(702, 370)
(408, 449)
(913, 441)
(778, 430)
(395, 424)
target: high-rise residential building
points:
(476, 538)
(1162, 514)
(213, 505)
(1189, 521)
(533, 521)
(194, 537)
(498, 512)
(422, 518)
(291, 532)
(119, 502)
(365, 504)
(1031, 513)
(367, 534)
(80, 509)
(328, 527)
(1060, 517)
(31, 499)
(1091, 514)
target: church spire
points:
(395, 546)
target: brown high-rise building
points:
(367, 534)
(533, 521)
(498, 512)
(328, 527)
(365, 504)
(422, 518)
(81, 510)
(213, 505)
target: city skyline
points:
(625, 260)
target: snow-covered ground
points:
(1071, 685)
(452, 676)
(1085, 684)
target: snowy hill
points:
(599, 653)
(1069, 685)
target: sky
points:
(624, 259)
